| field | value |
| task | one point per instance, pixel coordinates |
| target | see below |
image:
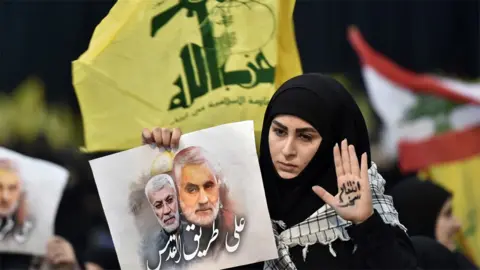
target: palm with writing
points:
(354, 199)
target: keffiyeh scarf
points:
(325, 226)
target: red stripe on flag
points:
(393, 72)
(447, 147)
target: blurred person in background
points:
(425, 208)
(61, 256)
(80, 194)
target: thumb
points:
(324, 195)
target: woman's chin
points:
(451, 245)
(287, 175)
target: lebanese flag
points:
(428, 119)
(432, 124)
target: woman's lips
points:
(286, 166)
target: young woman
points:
(345, 222)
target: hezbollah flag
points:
(191, 64)
(433, 124)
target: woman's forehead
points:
(291, 121)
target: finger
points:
(55, 258)
(157, 136)
(166, 137)
(58, 239)
(56, 250)
(52, 244)
(52, 240)
(354, 161)
(364, 172)
(324, 195)
(345, 157)
(61, 260)
(147, 136)
(49, 255)
(337, 158)
(176, 134)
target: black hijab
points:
(418, 204)
(330, 109)
(433, 255)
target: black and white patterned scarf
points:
(325, 226)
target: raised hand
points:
(354, 199)
(162, 137)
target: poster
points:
(201, 206)
(30, 192)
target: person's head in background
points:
(425, 208)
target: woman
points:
(306, 118)
(425, 208)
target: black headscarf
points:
(418, 204)
(330, 109)
(433, 255)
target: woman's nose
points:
(456, 223)
(289, 147)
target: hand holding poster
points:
(27, 208)
(201, 207)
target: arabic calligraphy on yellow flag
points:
(191, 64)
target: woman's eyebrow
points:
(280, 124)
(298, 130)
(306, 129)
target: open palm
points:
(354, 199)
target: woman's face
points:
(293, 143)
(447, 226)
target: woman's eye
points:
(279, 132)
(305, 137)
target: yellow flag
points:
(191, 64)
(462, 179)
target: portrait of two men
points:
(196, 215)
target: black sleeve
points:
(382, 246)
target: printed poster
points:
(30, 192)
(201, 206)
